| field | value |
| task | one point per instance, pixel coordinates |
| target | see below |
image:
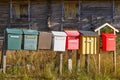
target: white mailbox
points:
(59, 41)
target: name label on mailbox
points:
(89, 41)
(14, 36)
(31, 37)
(111, 39)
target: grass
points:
(44, 65)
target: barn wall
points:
(39, 15)
(47, 15)
(4, 16)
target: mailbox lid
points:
(30, 32)
(108, 35)
(14, 31)
(72, 33)
(58, 33)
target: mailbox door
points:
(14, 42)
(111, 44)
(59, 43)
(108, 42)
(30, 42)
(45, 40)
(72, 43)
(88, 45)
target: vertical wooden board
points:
(83, 45)
(92, 45)
(88, 46)
(95, 46)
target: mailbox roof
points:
(88, 33)
(14, 31)
(58, 33)
(33, 32)
(108, 35)
(72, 33)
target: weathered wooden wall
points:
(47, 15)
(39, 14)
(4, 16)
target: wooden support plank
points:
(114, 60)
(4, 54)
(78, 61)
(60, 62)
(114, 57)
(70, 61)
(87, 62)
(99, 52)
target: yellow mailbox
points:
(88, 42)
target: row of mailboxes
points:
(83, 41)
(15, 39)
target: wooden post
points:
(70, 61)
(114, 61)
(4, 54)
(114, 57)
(78, 62)
(4, 61)
(99, 52)
(87, 62)
(60, 62)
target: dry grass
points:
(43, 65)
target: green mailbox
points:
(14, 39)
(30, 39)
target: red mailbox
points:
(72, 41)
(108, 42)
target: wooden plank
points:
(78, 61)
(99, 67)
(87, 62)
(70, 61)
(60, 63)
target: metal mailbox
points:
(59, 41)
(14, 39)
(72, 42)
(108, 42)
(88, 42)
(30, 39)
(45, 40)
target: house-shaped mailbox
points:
(88, 42)
(108, 39)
